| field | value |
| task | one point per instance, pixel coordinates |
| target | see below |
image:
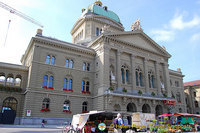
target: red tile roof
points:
(192, 83)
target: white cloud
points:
(168, 30)
(178, 23)
(195, 37)
(162, 35)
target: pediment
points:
(140, 40)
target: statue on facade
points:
(112, 76)
(106, 29)
(136, 25)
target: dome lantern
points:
(98, 3)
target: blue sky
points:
(174, 24)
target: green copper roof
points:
(101, 11)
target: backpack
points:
(115, 122)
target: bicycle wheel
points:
(64, 130)
(71, 131)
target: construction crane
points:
(20, 14)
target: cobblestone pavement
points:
(30, 130)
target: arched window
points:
(52, 60)
(146, 108)
(180, 110)
(127, 76)
(18, 82)
(97, 31)
(83, 86)
(10, 103)
(50, 82)
(131, 107)
(87, 86)
(45, 80)
(137, 79)
(84, 107)
(67, 63)
(65, 82)
(140, 78)
(46, 103)
(84, 66)
(71, 64)
(70, 84)
(48, 58)
(178, 97)
(138, 74)
(66, 105)
(2, 80)
(151, 79)
(196, 104)
(122, 76)
(10, 81)
(88, 66)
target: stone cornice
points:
(81, 20)
(58, 44)
(13, 66)
(144, 35)
(175, 73)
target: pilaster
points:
(118, 69)
(133, 67)
(158, 78)
(167, 80)
(146, 75)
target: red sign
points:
(169, 102)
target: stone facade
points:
(105, 68)
(192, 95)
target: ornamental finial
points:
(136, 25)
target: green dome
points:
(101, 11)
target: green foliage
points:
(153, 94)
(164, 95)
(124, 90)
(110, 88)
(140, 92)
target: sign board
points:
(169, 102)
(102, 126)
(28, 112)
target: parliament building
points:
(105, 68)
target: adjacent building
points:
(104, 68)
(192, 96)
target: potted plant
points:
(140, 92)
(153, 94)
(124, 90)
(164, 95)
(110, 89)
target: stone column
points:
(146, 76)
(118, 69)
(133, 67)
(106, 66)
(158, 78)
(167, 79)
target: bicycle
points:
(70, 129)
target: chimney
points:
(179, 69)
(39, 32)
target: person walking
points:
(118, 122)
(43, 121)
